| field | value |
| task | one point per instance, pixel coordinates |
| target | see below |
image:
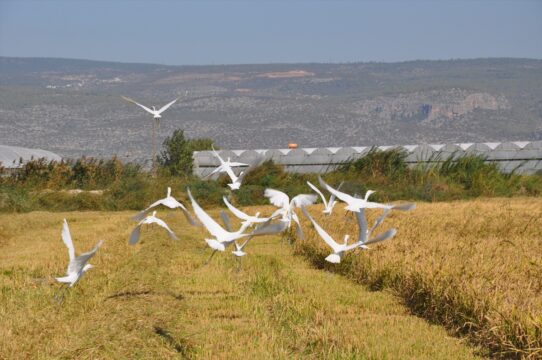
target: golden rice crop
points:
(156, 300)
(475, 266)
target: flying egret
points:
(226, 166)
(286, 207)
(328, 205)
(243, 216)
(151, 219)
(338, 249)
(355, 204)
(223, 238)
(77, 266)
(170, 202)
(364, 233)
(156, 115)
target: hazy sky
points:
(257, 31)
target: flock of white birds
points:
(279, 221)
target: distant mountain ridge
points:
(73, 107)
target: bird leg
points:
(210, 257)
(59, 294)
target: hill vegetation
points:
(74, 108)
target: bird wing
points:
(230, 173)
(233, 163)
(138, 104)
(165, 107)
(134, 236)
(163, 224)
(67, 238)
(298, 229)
(384, 236)
(340, 195)
(303, 200)
(405, 207)
(217, 170)
(141, 215)
(379, 220)
(189, 217)
(318, 192)
(211, 225)
(218, 156)
(277, 198)
(238, 213)
(225, 220)
(324, 235)
(332, 197)
(77, 264)
(362, 225)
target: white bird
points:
(226, 166)
(77, 266)
(155, 113)
(338, 249)
(243, 216)
(170, 202)
(355, 204)
(328, 205)
(286, 207)
(364, 234)
(223, 238)
(151, 219)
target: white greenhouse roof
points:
(10, 155)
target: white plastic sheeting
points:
(520, 156)
(10, 156)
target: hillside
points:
(73, 107)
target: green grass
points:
(157, 300)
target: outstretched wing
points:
(332, 197)
(318, 192)
(165, 107)
(324, 235)
(67, 238)
(238, 213)
(211, 225)
(225, 220)
(163, 224)
(340, 195)
(384, 236)
(138, 104)
(379, 220)
(218, 156)
(277, 198)
(362, 225)
(77, 264)
(304, 200)
(298, 229)
(134, 236)
(405, 207)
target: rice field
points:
(474, 266)
(157, 300)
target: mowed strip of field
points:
(474, 266)
(157, 300)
